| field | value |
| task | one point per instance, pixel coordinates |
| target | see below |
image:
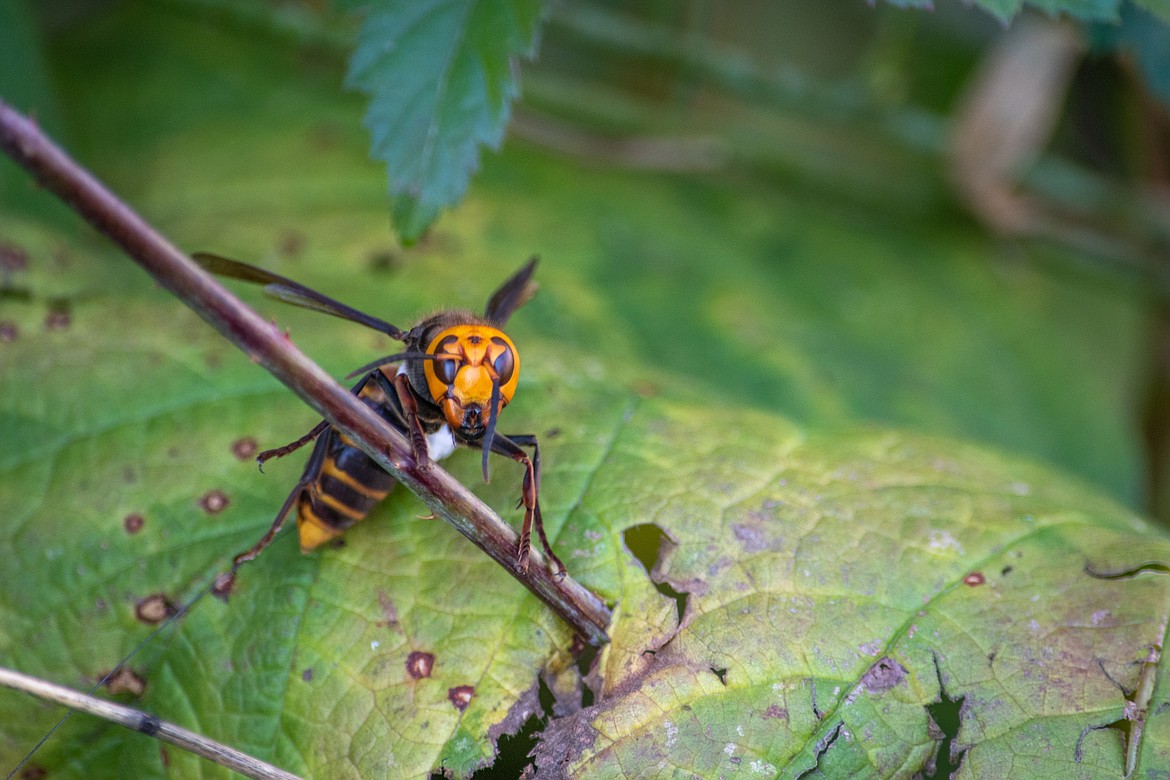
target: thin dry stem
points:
(142, 722)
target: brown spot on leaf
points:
(645, 388)
(307, 675)
(750, 536)
(133, 523)
(324, 136)
(223, 585)
(974, 579)
(419, 665)
(389, 611)
(291, 243)
(460, 696)
(125, 681)
(213, 502)
(883, 676)
(384, 261)
(57, 319)
(34, 772)
(8, 332)
(153, 609)
(13, 258)
(244, 448)
(776, 711)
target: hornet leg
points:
(529, 497)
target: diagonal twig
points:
(137, 720)
(265, 344)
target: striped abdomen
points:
(348, 483)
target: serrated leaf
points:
(441, 78)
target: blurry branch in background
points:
(1007, 117)
(680, 154)
(1001, 127)
(842, 136)
(996, 146)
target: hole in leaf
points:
(650, 545)
(585, 663)
(512, 759)
(945, 717)
(720, 673)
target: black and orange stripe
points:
(347, 483)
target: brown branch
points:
(137, 720)
(265, 344)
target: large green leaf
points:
(441, 76)
(703, 365)
(840, 587)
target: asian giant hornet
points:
(457, 373)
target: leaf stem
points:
(263, 342)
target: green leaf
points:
(441, 76)
(839, 587)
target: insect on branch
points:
(263, 342)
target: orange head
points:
(475, 368)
